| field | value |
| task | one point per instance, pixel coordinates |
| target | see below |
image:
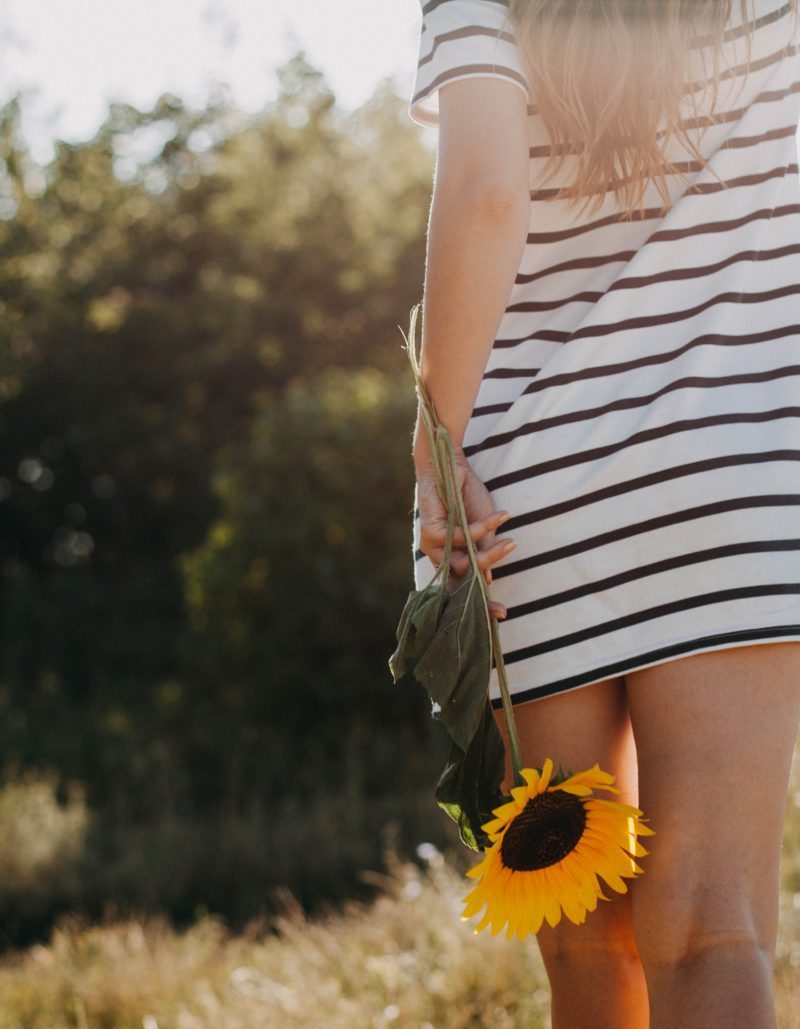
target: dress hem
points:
(719, 641)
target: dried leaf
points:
(469, 786)
(455, 666)
(417, 628)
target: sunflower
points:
(549, 845)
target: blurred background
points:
(212, 227)
(205, 474)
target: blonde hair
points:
(605, 74)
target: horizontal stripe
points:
(744, 28)
(668, 564)
(689, 603)
(670, 317)
(599, 371)
(617, 489)
(639, 482)
(646, 435)
(431, 5)
(696, 187)
(731, 143)
(630, 403)
(743, 69)
(463, 33)
(698, 271)
(579, 263)
(644, 525)
(639, 214)
(617, 367)
(470, 69)
(651, 657)
(663, 235)
(641, 281)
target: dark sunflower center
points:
(545, 831)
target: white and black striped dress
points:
(639, 413)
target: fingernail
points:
(509, 546)
(503, 518)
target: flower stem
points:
(508, 711)
(446, 472)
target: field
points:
(403, 960)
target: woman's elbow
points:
(495, 199)
(503, 201)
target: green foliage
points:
(293, 595)
(205, 473)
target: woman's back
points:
(643, 385)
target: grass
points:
(402, 959)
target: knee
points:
(606, 937)
(674, 930)
(684, 931)
(676, 949)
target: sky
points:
(74, 56)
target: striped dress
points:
(639, 412)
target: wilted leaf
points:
(455, 666)
(417, 628)
(469, 787)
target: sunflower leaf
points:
(417, 628)
(455, 666)
(469, 787)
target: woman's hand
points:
(482, 520)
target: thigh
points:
(578, 728)
(715, 733)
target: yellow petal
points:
(473, 902)
(506, 811)
(615, 881)
(614, 805)
(573, 909)
(531, 777)
(593, 777)
(535, 909)
(577, 789)
(552, 909)
(520, 795)
(547, 773)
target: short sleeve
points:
(462, 39)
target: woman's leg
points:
(715, 733)
(596, 978)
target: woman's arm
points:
(477, 230)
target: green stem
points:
(446, 472)
(508, 711)
(454, 490)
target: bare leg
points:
(596, 978)
(715, 733)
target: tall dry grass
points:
(403, 959)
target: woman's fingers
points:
(434, 536)
(459, 559)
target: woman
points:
(615, 351)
